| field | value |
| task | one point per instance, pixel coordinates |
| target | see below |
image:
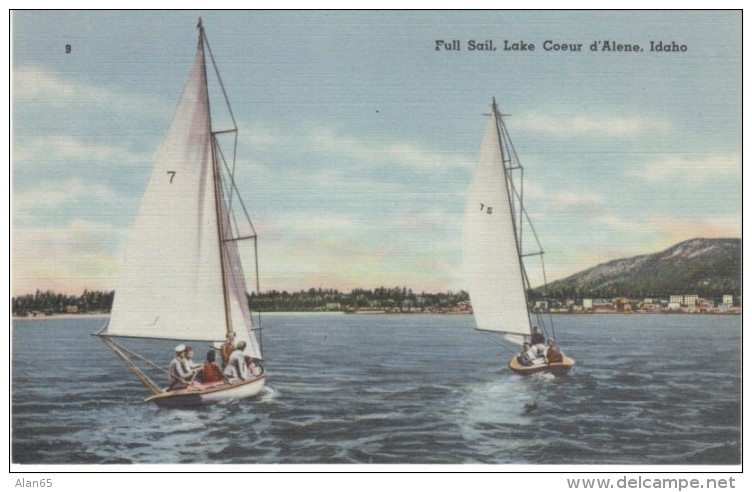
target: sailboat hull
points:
(199, 395)
(556, 368)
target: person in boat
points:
(538, 341)
(227, 348)
(553, 354)
(180, 375)
(254, 366)
(188, 360)
(527, 357)
(237, 367)
(211, 373)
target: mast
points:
(217, 184)
(500, 135)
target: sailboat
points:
(494, 256)
(182, 278)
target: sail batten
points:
(493, 267)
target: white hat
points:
(180, 348)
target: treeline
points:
(49, 303)
(399, 299)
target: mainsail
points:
(182, 278)
(494, 271)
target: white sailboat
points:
(182, 278)
(497, 278)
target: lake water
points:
(390, 389)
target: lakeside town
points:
(676, 304)
(397, 300)
(679, 303)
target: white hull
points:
(556, 368)
(199, 395)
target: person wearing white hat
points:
(180, 375)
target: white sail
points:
(180, 279)
(491, 256)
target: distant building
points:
(603, 306)
(675, 300)
(706, 305)
(691, 300)
(648, 306)
(587, 304)
(728, 300)
(622, 305)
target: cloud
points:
(55, 195)
(65, 259)
(674, 230)
(36, 85)
(344, 251)
(568, 200)
(591, 125)
(689, 168)
(33, 86)
(359, 151)
(49, 151)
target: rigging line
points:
(542, 324)
(234, 186)
(140, 375)
(236, 239)
(219, 78)
(232, 221)
(516, 159)
(532, 229)
(510, 143)
(139, 357)
(230, 172)
(499, 123)
(522, 203)
(217, 185)
(239, 284)
(506, 140)
(146, 361)
(490, 336)
(514, 164)
(234, 160)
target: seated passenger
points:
(538, 341)
(553, 354)
(527, 356)
(237, 368)
(180, 375)
(211, 373)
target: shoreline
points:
(61, 316)
(371, 313)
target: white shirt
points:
(236, 366)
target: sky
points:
(358, 137)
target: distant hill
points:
(709, 268)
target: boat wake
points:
(267, 394)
